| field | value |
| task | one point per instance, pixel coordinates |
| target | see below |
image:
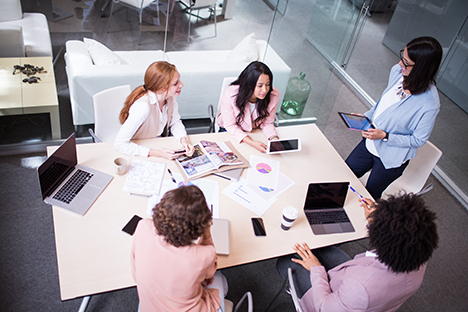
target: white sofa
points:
(202, 73)
(33, 29)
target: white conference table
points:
(93, 253)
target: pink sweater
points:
(169, 278)
(229, 112)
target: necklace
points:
(401, 93)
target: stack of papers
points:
(263, 185)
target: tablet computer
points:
(356, 122)
(283, 146)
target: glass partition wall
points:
(334, 42)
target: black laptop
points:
(67, 184)
(324, 208)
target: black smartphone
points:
(130, 227)
(259, 228)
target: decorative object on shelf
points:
(32, 79)
(296, 96)
(28, 70)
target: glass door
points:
(335, 27)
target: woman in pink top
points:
(248, 103)
(150, 111)
(173, 271)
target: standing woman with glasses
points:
(403, 117)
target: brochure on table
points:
(144, 177)
(210, 157)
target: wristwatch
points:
(386, 137)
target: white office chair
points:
(198, 5)
(290, 288)
(292, 291)
(138, 5)
(214, 115)
(416, 174)
(107, 106)
(228, 305)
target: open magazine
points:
(210, 157)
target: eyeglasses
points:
(405, 63)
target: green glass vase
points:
(296, 95)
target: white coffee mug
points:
(120, 165)
(289, 216)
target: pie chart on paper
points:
(266, 189)
(263, 168)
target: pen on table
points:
(141, 194)
(360, 196)
(211, 209)
(172, 177)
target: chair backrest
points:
(228, 305)
(226, 82)
(293, 293)
(107, 106)
(416, 174)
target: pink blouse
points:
(169, 278)
(229, 112)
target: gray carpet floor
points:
(27, 250)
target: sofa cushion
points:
(11, 38)
(11, 10)
(36, 36)
(100, 54)
(245, 51)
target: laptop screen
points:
(57, 167)
(326, 195)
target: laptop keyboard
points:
(324, 217)
(73, 186)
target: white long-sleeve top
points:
(145, 120)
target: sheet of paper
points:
(209, 188)
(144, 177)
(240, 193)
(267, 193)
(263, 172)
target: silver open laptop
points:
(324, 208)
(66, 184)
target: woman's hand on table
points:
(308, 259)
(260, 146)
(189, 149)
(374, 134)
(164, 153)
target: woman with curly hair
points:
(248, 103)
(173, 258)
(402, 237)
(150, 111)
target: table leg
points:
(84, 304)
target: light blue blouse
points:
(409, 123)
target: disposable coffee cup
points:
(289, 216)
(120, 165)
